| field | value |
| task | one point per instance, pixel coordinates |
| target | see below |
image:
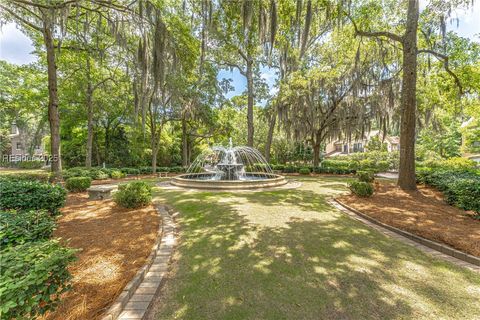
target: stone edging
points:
(137, 295)
(434, 248)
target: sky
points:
(16, 48)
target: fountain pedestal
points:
(230, 171)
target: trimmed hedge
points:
(304, 170)
(32, 278)
(361, 189)
(35, 164)
(20, 227)
(41, 176)
(31, 195)
(460, 187)
(133, 195)
(78, 184)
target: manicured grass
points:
(289, 255)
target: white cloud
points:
(15, 47)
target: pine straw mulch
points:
(115, 243)
(422, 212)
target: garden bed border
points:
(138, 294)
(435, 248)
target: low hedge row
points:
(31, 195)
(34, 270)
(78, 184)
(41, 176)
(460, 187)
(21, 227)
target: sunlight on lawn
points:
(288, 255)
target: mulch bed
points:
(422, 212)
(114, 242)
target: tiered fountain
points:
(229, 168)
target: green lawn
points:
(289, 255)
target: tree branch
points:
(444, 58)
(21, 20)
(363, 33)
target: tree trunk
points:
(250, 129)
(316, 154)
(271, 130)
(184, 143)
(53, 115)
(406, 178)
(88, 157)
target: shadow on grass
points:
(327, 268)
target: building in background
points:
(344, 147)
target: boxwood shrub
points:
(365, 176)
(133, 195)
(28, 226)
(31, 195)
(361, 188)
(78, 184)
(42, 176)
(304, 170)
(34, 164)
(32, 278)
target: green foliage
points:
(304, 170)
(31, 195)
(456, 163)
(41, 176)
(361, 188)
(30, 164)
(133, 195)
(461, 187)
(32, 278)
(130, 171)
(375, 144)
(290, 169)
(117, 174)
(365, 176)
(78, 184)
(277, 167)
(25, 226)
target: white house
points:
(343, 147)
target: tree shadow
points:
(327, 268)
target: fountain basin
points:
(250, 180)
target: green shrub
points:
(133, 195)
(361, 189)
(163, 169)
(78, 184)
(461, 187)
(30, 164)
(277, 167)
(32, 278)
(456, 163)
(41, 176)
(132, 171)
(304, 170)
(31, 195)
(365, 176)
(382, 166)
(27, 226)
(146, 170)
(290, 169)
(116, 174)
(177, 169)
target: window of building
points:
(19, 145)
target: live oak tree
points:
(49, 18)
(409, 45)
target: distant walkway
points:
(387, 175)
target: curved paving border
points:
(431, 247)
(138, 294)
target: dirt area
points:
(421, 212)
(114, 243)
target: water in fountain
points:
(230, 163)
